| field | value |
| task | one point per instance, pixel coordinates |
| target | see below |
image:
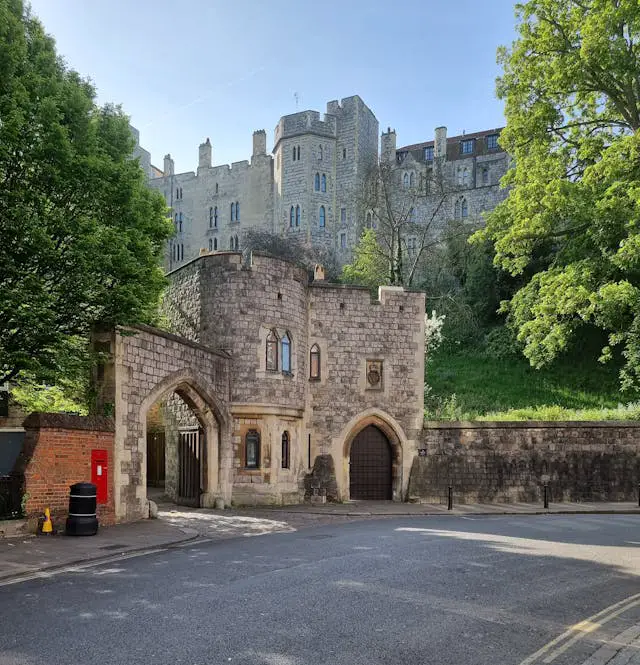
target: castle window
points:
(344, 153)
(343, 241)
(285, 343)
(298, 153)
(368, 221)
(210, 244)
(322, 218)
(428, 153)
(314, 363)
(215, 217)
(181, 252)
(485, 176)
(412, 215)
(177, 192)
(237, 212)
(464, 208)
(233, 212)
(272, 351)
(343, 215)
(411, 246)
(412, 179)
(215, 244)
(297, 215)
(216, 188)
(210, 218)
(465, 176)
(252, 449)
(320, 152)
(466, 147)
(324, 183)
(236, 243)
(284, 455)
(231, 242)
(294, 153)
(316, 182)
(292, 213)
(175, 222)
(492, 142)
(180, 222)
(405, 181)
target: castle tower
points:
(204, 155)
(388, 145)
(259, 143)
(169, 168)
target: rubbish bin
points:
(82, 520)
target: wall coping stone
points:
(175, 338)
(530, 424)
(39, 420)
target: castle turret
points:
(388, 145)
(169, 168)
(204, 155)
(259, 142)
(440, 143)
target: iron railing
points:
(11, 489)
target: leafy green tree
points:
(81, 234)
(571, 86)
(370, 265)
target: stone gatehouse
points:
(278, 370)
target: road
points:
(436, 590)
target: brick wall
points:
(56, 454)
(511, 461)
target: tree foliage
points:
(370, 266)
(82, 235)
(571, 86)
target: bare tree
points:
(405, 210)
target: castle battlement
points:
(305, 122)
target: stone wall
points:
(56, 454)
(511, 461)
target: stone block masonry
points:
(505, 462)
(56, 454)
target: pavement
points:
(24, 556)
(382, 590)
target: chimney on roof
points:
(440, 143)
(388, 146)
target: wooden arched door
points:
(370, 466)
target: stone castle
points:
(307, 187)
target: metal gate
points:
(155, 459)
(190, 466)
(370, 465)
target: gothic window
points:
(343, 241)
(210, 219)
(284, 455)
(215, 217)
(286, 354)
(180, 222)
(215, 243)
(216, 188)
(292, 213)
(233, 212)
(252, 449)
(343, 215)
(175, 221)
(320, 152)
(237, 212)
(344, 153)
(181, 252)
(297, 215)
(298, 153)
(294, 153)
(405, 180)
(316, 183)
(231, 242)
(236, 243)
(210, 244)
(177, 192)
(314, 363)
(485, 176)
(322, 218)
(464, 208)
(412, 179)
(324, 182)
(272, 351)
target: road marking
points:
(579, 630)
(45, 574)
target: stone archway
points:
(390, 429)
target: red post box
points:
(100, 474)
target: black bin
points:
(82, 520)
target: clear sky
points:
(192, 69)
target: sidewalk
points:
(27, 555)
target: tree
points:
(303, 254)
(369, 266)
(571, 86)
(404, 216)
(81, 234)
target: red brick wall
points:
(57, 454)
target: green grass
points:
(470, 386)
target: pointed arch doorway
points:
(371, 466)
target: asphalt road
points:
(441, 590)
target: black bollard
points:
(450, 499)
(546, 496)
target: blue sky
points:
(223, 68)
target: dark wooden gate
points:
(190, 464)
(370, 465)
(155, 459)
